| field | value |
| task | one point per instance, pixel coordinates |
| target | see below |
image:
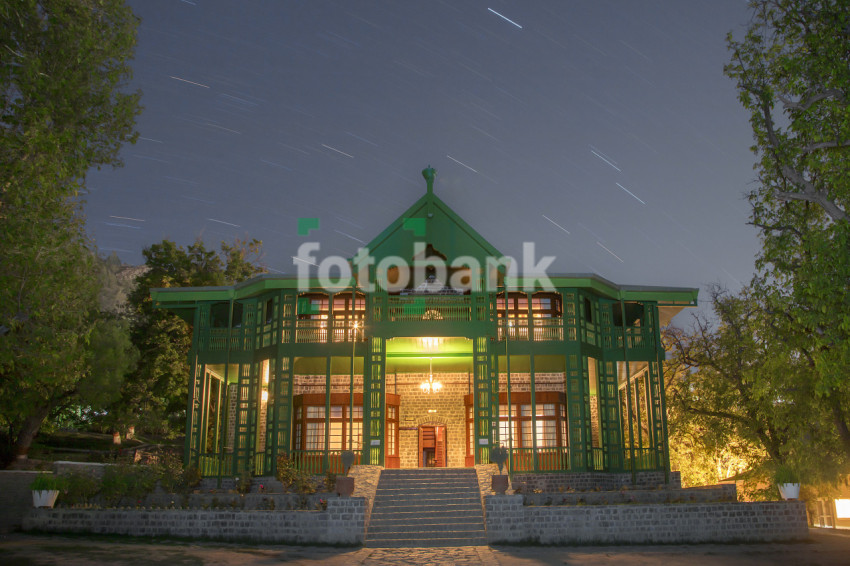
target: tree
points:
(63, 112)
(793, 77)
(744, 381)
(158, 388)
(703, 448)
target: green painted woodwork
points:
(266, 320)
(373, 403)
(485, 401)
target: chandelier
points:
(431, 386)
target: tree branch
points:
(806, 103)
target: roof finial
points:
(429, 173)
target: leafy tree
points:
(747, 386)
(793, 77)
(157, 390)
(62, 112)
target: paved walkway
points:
(824, 549)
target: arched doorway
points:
(432, 445)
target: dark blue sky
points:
(603, 131)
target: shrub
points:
(290, 476)
(127, 480)
(330, 482)
(80, 487)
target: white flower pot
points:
(44, 498)
(789, 490)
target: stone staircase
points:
(427, 507)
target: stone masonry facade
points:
(510, 521)
(343, 522)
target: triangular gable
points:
(429, 221)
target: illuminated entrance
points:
(431, 419)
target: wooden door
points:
(440, 447)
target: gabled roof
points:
(429, 221)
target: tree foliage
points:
(793, 77)
(748, 387)
(157, 390)
(62, 112)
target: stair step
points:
(426, 508)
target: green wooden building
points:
(429, 352)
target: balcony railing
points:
(216, 340)
(313, 461)
(545, 329)
(645, 459)
(318, 331)
(553, 459)
(214, 465)
(423, 308)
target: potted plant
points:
(499, 482)
(787, 481)
(345, 483)
(45, 489)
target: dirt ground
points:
(823, 549)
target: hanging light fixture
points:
(431, 386)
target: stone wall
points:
(366, 480)
(509, 521)
(342, 522)
(15, 497)
(586, 481)
(705, 494)
(65, 467)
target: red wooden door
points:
(440, 447)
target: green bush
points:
(80, 488)
(127, 480)
(330, 482)
(291, 477)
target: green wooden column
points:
(609, 417)
(281, 388)
(576, 386)
(373, 401)
(193, 417)
(246, 392)
(485, 396)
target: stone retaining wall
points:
(705, 494)
(341, 523)
(366, 479)
(604, 481)
(15, 497)
(509, 521)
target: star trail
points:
(604, 131)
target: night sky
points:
(603, 131)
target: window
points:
(312, 318)
(344, 426)
(517, 305)
(345, 316)
(269, 311)
(630, 314)
(548, 428)
(312, 306)
(220, 315)
(546, 305)
(392, 431)
(588, 310)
